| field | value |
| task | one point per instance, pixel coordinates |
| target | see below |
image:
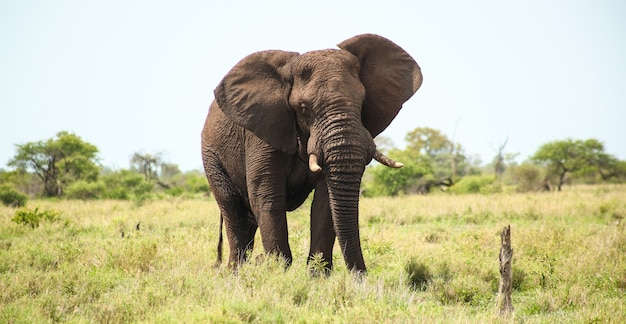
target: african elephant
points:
(285, 124)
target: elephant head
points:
(326, 106)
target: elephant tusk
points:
(383, 159)
(313, 166)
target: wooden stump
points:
(505, 304)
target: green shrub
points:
(11, 197)
(476, 184)
(527, 177)
(32, 218)
(175, 191)
(125, 185)
(85, 190)
(380, 180)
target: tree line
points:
(67, 166)
(433, 161)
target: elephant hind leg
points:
(233, 211)
(239, 231)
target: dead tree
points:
(498, 164)
(505, 303)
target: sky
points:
(138, 76)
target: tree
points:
(572, 157)
(146, 164)
(447, 158)
(498, 161)
(528, 177)
(385, 181)
(169, 170)
(25, 182)
(58, 161)
(428, 141)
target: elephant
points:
(284, 124)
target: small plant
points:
(32, 218)
(418, 274)
(318, 266)
(11, 197)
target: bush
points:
(380, 180)
(175, 191)
(32, 218)
(191, 182)
(476, 184)
(85, 190)
(125, 185)
(527, 177)
(11, 197)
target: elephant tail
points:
(220, 244)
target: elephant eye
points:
(306, 74)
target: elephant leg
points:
(322, 230)
(267, 191)
(252, 227)
(239, 230)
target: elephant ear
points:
(253, 94)
(390, 76)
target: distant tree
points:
(528, 177)
(58, 161)
(572, 157)
(146, 164)
(385, 181)
(22, 180)
(428, 141)
(612, 169)
(447, 158)
(499, 165)
(169, 170)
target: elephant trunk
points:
(347, 148)
(343, 192)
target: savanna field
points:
(430, 259)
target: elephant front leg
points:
(322, 232)
(267, 192)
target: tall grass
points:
(430, 259)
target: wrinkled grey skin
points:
(284, 124)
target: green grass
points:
(430, 259)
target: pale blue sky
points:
(133, 76)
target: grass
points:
(430, 259)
